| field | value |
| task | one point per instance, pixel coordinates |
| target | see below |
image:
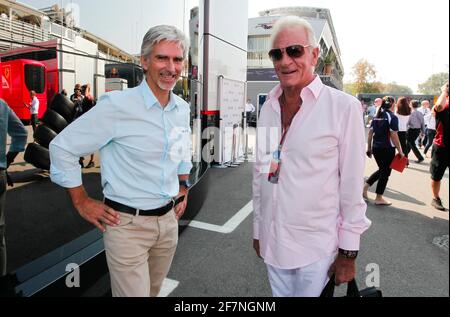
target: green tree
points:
(350, 88)
(394, 88)
(433, 85)
(364, 75)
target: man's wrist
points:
(185, 184)
(348, 254)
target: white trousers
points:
(307, 281)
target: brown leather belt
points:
(158, 212)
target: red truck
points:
(19, 77)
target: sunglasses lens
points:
(295, 51)
(275, 54)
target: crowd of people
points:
(407, 125)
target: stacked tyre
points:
(55, 119)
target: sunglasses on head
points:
(293, 51)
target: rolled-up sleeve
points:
(351, 169)
(184, 168)
(17, 132)
(84, 136)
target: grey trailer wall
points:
(254, 88)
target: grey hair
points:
(293, 22)
(164, 33)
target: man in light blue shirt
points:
(9, 124)
(143, 135)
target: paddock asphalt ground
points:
(407, 242)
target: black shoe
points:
(437, 203)
(420, 160)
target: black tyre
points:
(62, 105)
(37, 156)
(44, 135)
(54, 120)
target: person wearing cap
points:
(382, 142)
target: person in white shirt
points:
(34, 109)
(425, 111)
(403, 113)
(308, 177)
(430, 122)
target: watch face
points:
(185, 184)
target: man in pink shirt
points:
(308, 180)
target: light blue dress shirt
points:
(10, 124)
(143, 147)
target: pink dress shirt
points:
(317, 206)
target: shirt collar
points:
(315, 87)
(150, 100)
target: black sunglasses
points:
(293, 51)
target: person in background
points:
(377, 103)
(364, 110)
(10, 125)
(87, 104)
(34, 109)
(249, 109)
(425, 111)
(382, 142)
(430, 122)
(371, 112)
(416, 125)
(403, 113)
(76, 96)
(440, 154)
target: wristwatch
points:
(348, 254)
(186, 184)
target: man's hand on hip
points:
(98, 213)
(92, 210)
(344, 270)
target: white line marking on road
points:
(231, 224)
(168, 287)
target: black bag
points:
(352, 290)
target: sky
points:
(406, 41)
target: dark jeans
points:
(431, 134)
(33, 121)
(384, 157)
(403, 137)
(413, 134)
(2, 223)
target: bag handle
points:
(352, 288)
